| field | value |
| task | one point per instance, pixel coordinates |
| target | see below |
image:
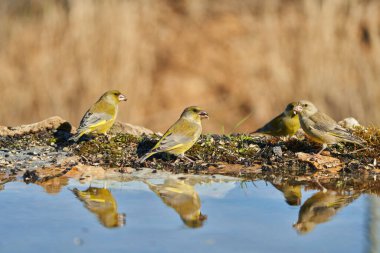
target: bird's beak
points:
(203, 114)
(298, 109)
(121, 97)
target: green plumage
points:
(181, 136)
(101, 116)
(100, 202)
(285, 124)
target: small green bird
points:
(182, 135)
(101, 116)
(285, 124)
(321, 128)
(183, 198)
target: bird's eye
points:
(305, 105)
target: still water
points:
(172, 215)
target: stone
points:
(47, 124)
(349, 123)
(120, 127)
(321, 162)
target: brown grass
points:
(231, 57)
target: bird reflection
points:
(292, 193)
(101, 202)
(320, 208)
(183, 199)
(54, 185)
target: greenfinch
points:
(285, 124)
(320, 208)
(321, 128)
(182, 135)
(101, 202)
(101, 116)
(182, 198)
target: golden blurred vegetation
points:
(234, 58)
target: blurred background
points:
(237, 59)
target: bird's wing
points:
(324, 123)
(91, 120)
(276, 125)
(176, 136)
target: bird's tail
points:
(146, 156)
(354, 139)
(259, 131)
(357, 140)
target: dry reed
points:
(233, 58)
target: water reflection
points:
(100, 202)
(183, 198)
(53, 185)
(320, 208)
(292, 193)
(242, 215)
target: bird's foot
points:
(183, 157)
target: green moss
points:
(372, 136)
(114, 152)
(25, 141)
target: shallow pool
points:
(175, 215)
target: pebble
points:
(277, 151)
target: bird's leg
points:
(182, 156)
(194, 158)
(189, 159)
(319, 184)
(324, 146)
(178, 158)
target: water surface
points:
(173, 215)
